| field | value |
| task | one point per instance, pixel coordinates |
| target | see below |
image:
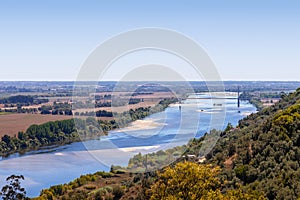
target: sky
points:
(246, 40)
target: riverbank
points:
(73, 130)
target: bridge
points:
(224, 97)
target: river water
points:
(175, 126)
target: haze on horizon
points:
(249, 40)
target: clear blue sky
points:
(247, 40)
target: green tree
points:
(13, 191)
(187, 180)
(191, 181)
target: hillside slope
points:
(263, 152)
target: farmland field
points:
(11, 124)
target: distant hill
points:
(263, 152)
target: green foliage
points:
(86, 187)
(159, 159)
(185, 181)
(13, 191)
(190, 181)
(154, 160)
(50, 133)
(56, 109)
(263, 153)
(22, 100)
(17, 99)
(228, 127)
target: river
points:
(175, 126)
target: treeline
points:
(116, 102)
(56, 109)
(22, 100)
(99, 113)
(37, 136)
(103, 97)
(19, 109)
(90, 104)
(54, 133)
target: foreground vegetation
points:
(263, 153)
(191, 182)
(101, 185)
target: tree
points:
(228, 127)
(191, 181)
(187, 180)
(13, 191)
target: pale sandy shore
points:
(144, 124)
